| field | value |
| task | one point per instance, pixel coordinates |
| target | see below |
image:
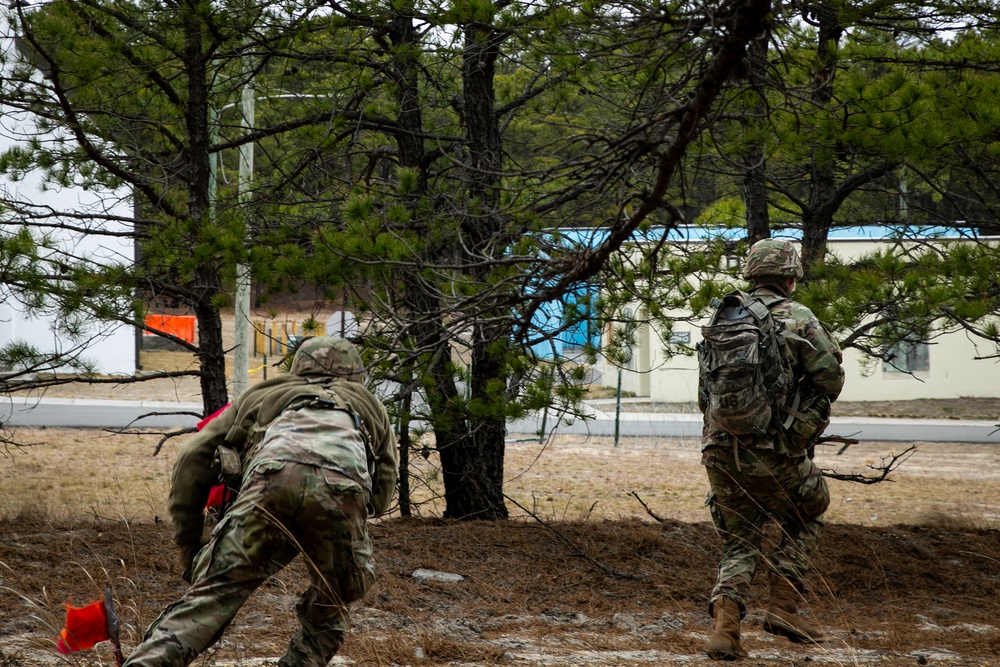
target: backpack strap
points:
(769, 299)
(792, 411)
(757, 307)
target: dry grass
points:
(575, 478)
(66, 473)
(69, 473)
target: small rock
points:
(624, 622)
(433, 575)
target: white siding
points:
(112, 346)
(953, 372)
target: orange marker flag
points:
(90, 625)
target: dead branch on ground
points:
(579, 552)
(650, 512)
(889, 463)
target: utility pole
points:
(241, 349)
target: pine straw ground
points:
(908, 572)
(574, 593)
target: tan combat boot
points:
(724, 642)
(782, 617)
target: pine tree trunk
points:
(474, 482)
(817, 220)
(207, 284)
(211, 355)
(755, 177)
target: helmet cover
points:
(772, 258)
(328, 355)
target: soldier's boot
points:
(724, 640)
(307, 651)
(782, 617)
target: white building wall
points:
(112, 345)
(953, 371)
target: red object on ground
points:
(85, 626)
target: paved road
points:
(18, 411)
(865, 429)
(88, 413)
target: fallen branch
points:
(646, 507)
(889, 463)
(580, 552)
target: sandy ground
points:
(582, 575)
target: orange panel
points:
(181, 326)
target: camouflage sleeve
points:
(383, 442)
(821, 361)
(192, 479)
(384, 449)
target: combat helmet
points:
(328, 355)
(770, 258)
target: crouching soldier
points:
(313, 456)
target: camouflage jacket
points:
(817, 365)
(194, 472)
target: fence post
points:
(618, 405)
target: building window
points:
(908, 358)
(680, 337)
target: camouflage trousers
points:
(282, 509)
(747, 493)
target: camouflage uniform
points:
(759, 478)
(309, 482)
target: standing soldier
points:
(769, 474)
(312, 455)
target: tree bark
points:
(474, 488)
(470, 448)
(755, 177)
(207, 282)
(822, 185)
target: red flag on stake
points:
(85, 626)
(90, 625)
